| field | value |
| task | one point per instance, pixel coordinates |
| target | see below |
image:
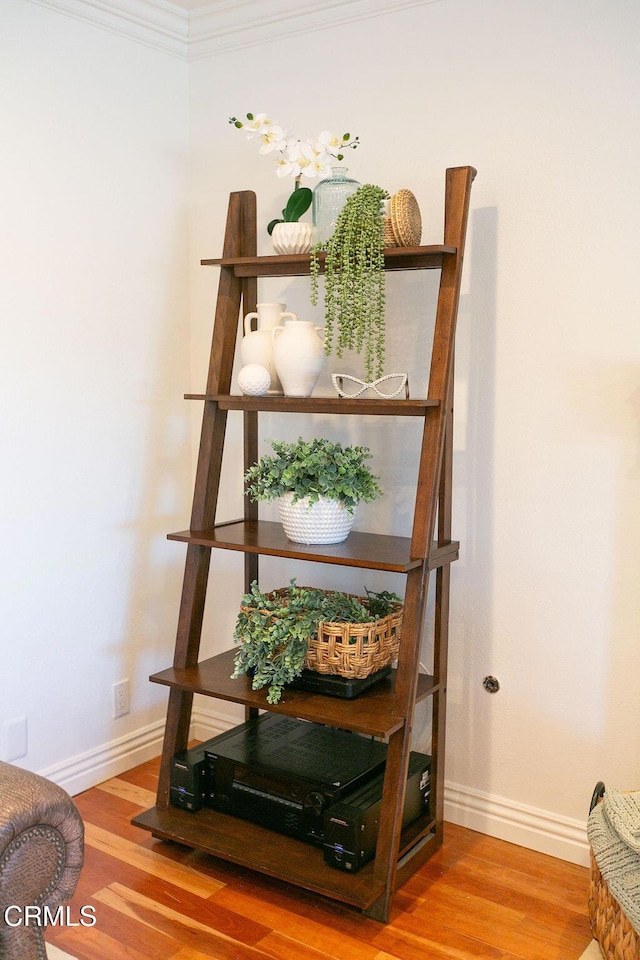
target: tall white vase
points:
(257, 345)
(298, 355)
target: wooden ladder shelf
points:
(386, 710)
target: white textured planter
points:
(326, 521)
(292, 237)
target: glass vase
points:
(329, 197)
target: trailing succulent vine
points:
(354, 280)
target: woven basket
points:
(610, 925)
(388, 236)
(353, 650)
(402, 223)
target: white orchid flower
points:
(320, 166)
(259, 124)
(286, 167)
(330, 143)
(295, 157)
(273, 138)
(300, 151)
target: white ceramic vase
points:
(257, 345)
(325, 521)
(293, 237)
(298, 355)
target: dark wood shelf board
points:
(369, 714)
(443, 553)
(298, 265)
(257, 848)
(344, 406)
(370, 551)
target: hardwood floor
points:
(476, 899)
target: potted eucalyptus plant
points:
(354, 276)
(318, 484)
(276, 630)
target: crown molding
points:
(155, 23)
(191, 30)
(223, 26)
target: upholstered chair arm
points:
(41, 855)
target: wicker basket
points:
(388, 236)
(609, 923)
(353, 650)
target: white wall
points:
(540, 97)
(95, 340)
(98, 348)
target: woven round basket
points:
(610, 925)
(353, 650)
(406, 221)
(388, 236)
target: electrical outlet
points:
(14, 739)
(120, 699)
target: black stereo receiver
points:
(188, 777)
(351, 825)
(283, 773)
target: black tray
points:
(335, 686)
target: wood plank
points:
(158, 917)
(314, 925)
(370, 714)
(508, 928)
(250, 845)
(285, 947)
(298, 265)
(128, 791)
(149, 861)
(188, 953)
(93, 944)
(342, 406)
(369, 551)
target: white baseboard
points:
(88, 769)
(530, 827)
(209, 723)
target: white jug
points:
(298, 354)
(257, 345)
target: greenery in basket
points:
(313, 468)
(354, 296)
(274, 629)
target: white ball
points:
(254, 380)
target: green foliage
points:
(381, 604)
(297, 204)
(354, 280)
(274, 629)
(314, 468)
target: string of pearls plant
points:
(354, 290)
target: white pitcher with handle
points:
(256, 345)
(298, 355)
